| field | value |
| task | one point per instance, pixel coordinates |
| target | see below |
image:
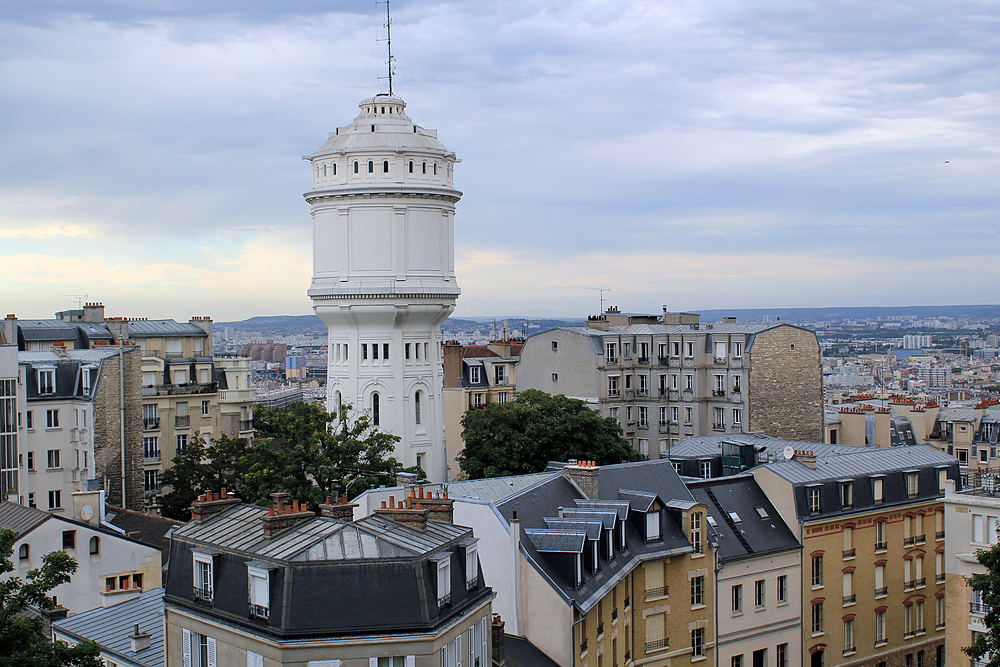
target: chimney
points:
(140, 640)
(342, 510)
(93, 313)
(806, 457)
(10, 330)
(205, 324)
(441, 507)
(499, 657)
(584, 475)
(410, 513)
(452, 357)
(284, 514)
(209, 504)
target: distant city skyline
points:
(703, 156)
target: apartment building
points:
(111, 568)
(672, 377)
(595, 565)
(474, 376)
(872, 527)
(759, 569)
(181, 389)
(282, 586)
(10, 412)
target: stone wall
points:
(786, 384)
(107, 429)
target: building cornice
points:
(361, 194)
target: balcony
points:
(151, 424)
(921, 582)
(182, 421)
(881, 592)
(151, 457)
(978, 609)
(718, 427)
(920, 539)
(939, 535)
(444, 600)
(662, 361)
(642, 361)
(850, 599)
(654, 593)
(259, 611)
(237, 395)
(849, 553)
(719, 360)
(202, 594)
(939, 578)
(881, 546)
(644, 425)
(613, 393)
(909, 585)
(609, 361)
(718, 392)
(909, 541)
(643, 393)
(246, 425)
(180, 389)
(657, 645)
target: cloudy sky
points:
(732, 153)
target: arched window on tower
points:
(355, 166)
(424, 167)
(334, 165)
(371, 167)
(337, 398)
(435, 168)
(416, 408)
(411, 166)
(95, 545)
(324, 171)
(375, 409)
(385, 166)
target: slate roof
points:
(861, 461)
(753, 536)
(147, 528)
(111, 626)
(163, 328)
(496, 488)
(519, 652)
(711, 445)
(22, 520)
(240, 528)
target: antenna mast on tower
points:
(388, 38)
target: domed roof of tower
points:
(382, 124)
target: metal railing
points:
(444, 600)
(202, 593)
(259, 611)
(644, 361)
(881, 592)
(909, 541)
(151, 424)
(978, 608)
(180, 389)
(182, 421)
(939, 578)
(939, 535)
(909, 585)
(661, 591)
(850, 599)
(920, 539)
(720, 360)
(921, 582)
(718, 392)
(881, 546)
(849, 553)
(657, 645)
(662, 361)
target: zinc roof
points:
(111, 626)
(155, 328)
(496, 488)
(654, 329)
(861, 461)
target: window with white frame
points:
(52, 419)
(612, 353)
(46, 377)
(198, 650)
(613, 385)
(613, 413)
(444, 580)
(260, 592)
(705, 469)
(696, 532)
(652, 525)
(663, 414)
(204, 581)
(688, 383)
(737, 349)
(675, 348)
(737, 416)
(643, 416)
(472, 564)
(644, 447)
(689, 349)
(688, 414)
(451, 653)
(474, 374)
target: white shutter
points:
(254, 659)
(484, 633)
(372, 662)
(472, 645)
(211, 652)
(187, 647)
(411, 661)
(458, 651)
(444, 656)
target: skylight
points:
(762, 512)
(735, 517)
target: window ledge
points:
(737, 613)
(782, 604)
(699, 658)
(817, 634)
(697, 606)
(53, 469)
(816, 588)
(698, 555)
(881, 643)
(756, 609)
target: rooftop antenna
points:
(79, 299)
(602, 290)
(391, 62)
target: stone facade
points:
(108, 412)
(786, 384)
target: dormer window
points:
(444, 580)
(474, 374)
(258, 583)
(877, 495)
(696, 531)
(912, 485)
(652, 525)
(471, 564)
(812, 494)
(846, 495)
(46, 380)
(203, 579)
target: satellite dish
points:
(789, 452)
(87, 512)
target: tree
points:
(523, 435)
(220, 463)
(315, 454)
(21, 641)
(986, 645)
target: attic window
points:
(762, 513)
(46, 380)
(652, 525)
(712, 522)
(735, 517)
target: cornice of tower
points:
(377, 192)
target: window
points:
(781, 589)
(908, 621)
(371, 165)
(46, 380)
(920, 616)
(385, 351)
(877, 490)
(849, 596)
(737, 416)
(817, 618)
(182, 442)
(758, 593)
(675, 348)
(385, 166)
(643, 416)
(29, 421)
(817, 570)
(696, 531)
(849, 550)
(500, 374)
(880, 536)
(53, 459)
(22, 552)
(719, 418)
(689, 383)
(416, 408)
(644, 447)
(644, 385)
(940, 612)
(612, 353)
(848, 636)
(813, 495)
(472, 565)
(738, 349)
(697, 591)
(613, 385)
(705, 468)
(674, 413)
(688, 414)
(31, 500)
(51, 419)
(698, 642)
(31, 460)
(95, 545)
(720, 385)
(613, 413)
(423, 168)
(260, 593)
(652, 525)
(781, 658)
(55, 500)
(69, 539)
(151, 483)
(912, 484)
(204, 582)
(355, 166)
(255, 659)
(689, 349)
(151, 448)
(204, 408)
(737, 661)
(879, 627)
(674, 381)
(736, 384)
(737, 598)
(375, 409)
(847, 495)
(475, 374)
(444, 581)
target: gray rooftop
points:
(711, 445)
(21, 519)
(860, 461)
(161, 328)
(496, 488)
(240, 528)
(661, 329)
(111, 626)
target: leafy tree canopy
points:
(521, 436)
(986, 645)
(301, 449)
(21, 641)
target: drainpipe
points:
(121, 415)
(718, 568)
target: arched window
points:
(334, 165)
(95, 545)
(324, 171)
(22, 552)
(375, 409)
(424, 167)
(435, 168)
(371, 167)
(385, 166)
(411, 166)
(337, 398)
(355, 166)
(416, 408)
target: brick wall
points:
(107, 429)
(786, 384)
